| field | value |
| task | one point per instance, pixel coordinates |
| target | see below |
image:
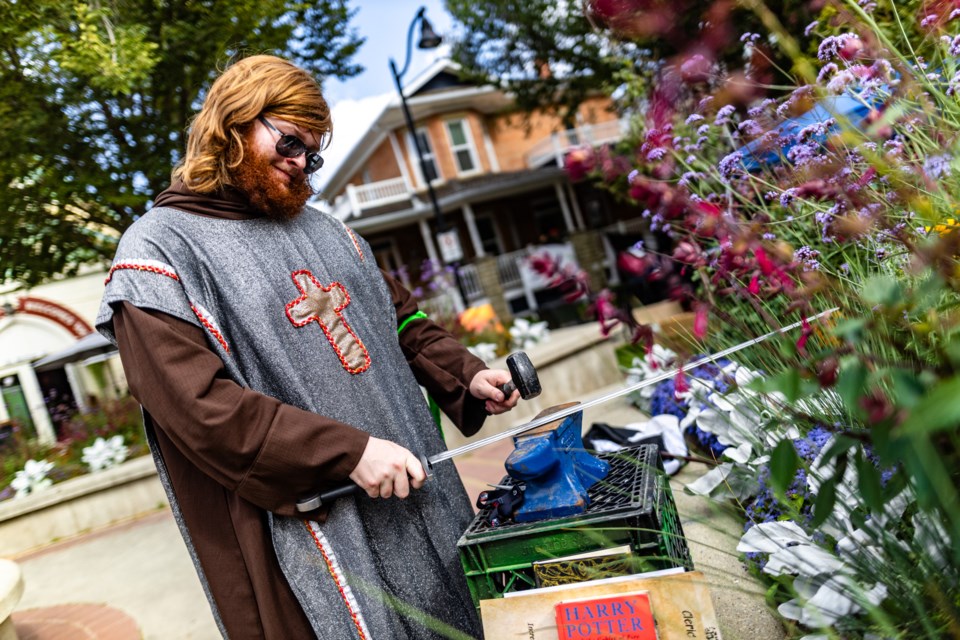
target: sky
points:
(356, 102)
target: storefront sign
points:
(55, 313)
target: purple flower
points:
(808, 258)
(826, 70)
(750, 127)
(731, 165)
(694, 117)
(787, 197)
(656, 154)
(723, 115)
(810, 27)
(937, 166)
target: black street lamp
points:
(429, 39)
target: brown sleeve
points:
(439, 362)
(268, 452)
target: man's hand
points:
(485, 386)
(387, 469)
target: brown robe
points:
(228, 463)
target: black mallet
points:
(523, 377)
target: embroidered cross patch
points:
(324, 305)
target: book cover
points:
(597, 565)
(680, 604)
(627, 616)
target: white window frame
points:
(431, 157)
(468, 145)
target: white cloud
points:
(351, 119)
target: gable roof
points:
(438, 89)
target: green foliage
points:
(511, 42)
(95, 98)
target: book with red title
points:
(626, 616)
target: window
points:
(461, 145)
(423, 141)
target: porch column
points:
(489, 276)
(401, 162)
(76, 386)
(564, 207)
(588, 247)
(473, 231)
(428, 241)
(577, 214)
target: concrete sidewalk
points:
(136, 580)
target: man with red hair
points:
(274, 359)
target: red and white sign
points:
(450, 249)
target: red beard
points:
(268, 192)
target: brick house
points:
(499, 182)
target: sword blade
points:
(553, 417)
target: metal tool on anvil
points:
(317, 501)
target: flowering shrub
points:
(104, 454)
(116, 425)
(32, 478)
(836, 192)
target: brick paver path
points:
(75, 622)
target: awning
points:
(90, 345)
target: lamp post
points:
(429, 39)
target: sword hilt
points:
(318, 500)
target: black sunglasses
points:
(290, 146)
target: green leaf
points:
(783, 467)
(851, 329)
(882, 290)
(823, 506)
(851, 382)
(868, 478)
(906, 387)
(939, 409)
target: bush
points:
(78, 431)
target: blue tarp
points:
(846, 110)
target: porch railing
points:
(358, 198)
(553, 148)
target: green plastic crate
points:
(632, 507)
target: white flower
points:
(104, 454)
(824, 584)
(33, 477)
(654, 363)
(486, 351)
(526, 334)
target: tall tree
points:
(590, 45)
(543, 51)
(95, 99)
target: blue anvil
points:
(557, 470)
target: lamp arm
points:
(406, 64)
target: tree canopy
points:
(95, 99)
(543, 51)
(510, 43)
